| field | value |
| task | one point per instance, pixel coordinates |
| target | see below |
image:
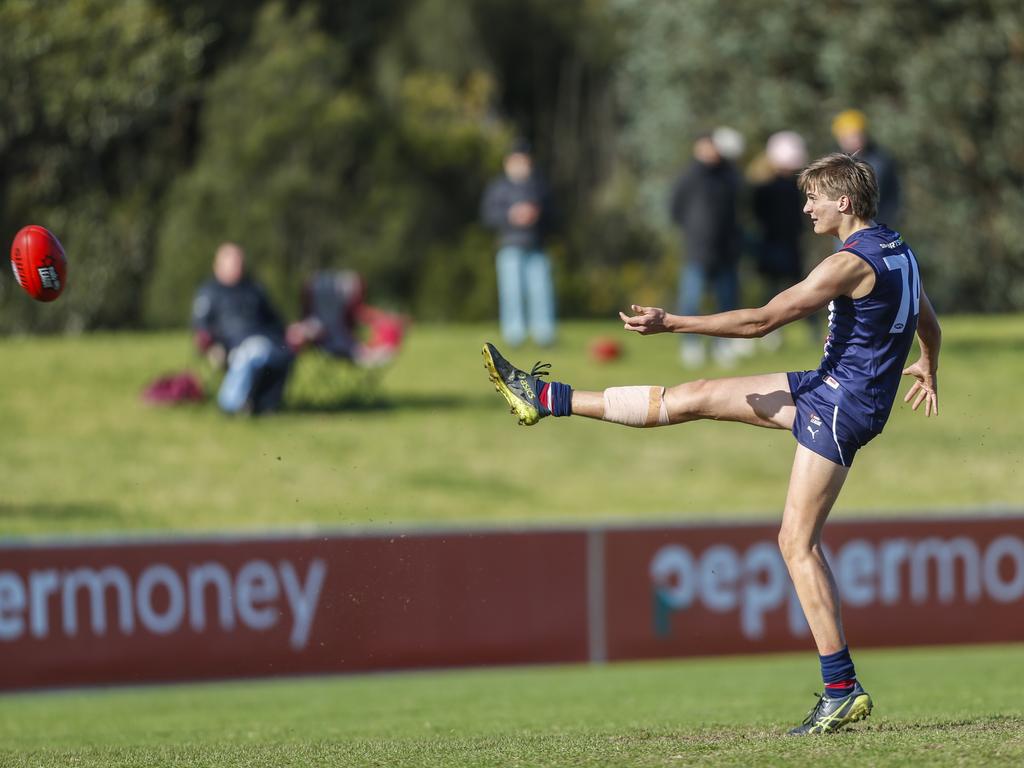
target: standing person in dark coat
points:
(235, 324)
(781, 224)
(517, 205)
(703, 205)
(850, 129)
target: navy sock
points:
(838, 673)
(555, 399)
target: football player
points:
(876, 304)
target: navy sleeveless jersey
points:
(869, 338)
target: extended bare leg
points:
(763, 401)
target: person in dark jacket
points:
(235, 325)
(850, 128)
(517, 205)
(703, 205)
(777, 204)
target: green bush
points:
(361, 135)
(89, 92)
(942, 83)
(307, 171)
(280, 135)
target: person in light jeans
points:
(704, 206)
(257, 365)
(526, 298)
(694, 280)
(517, 205)
(238, 329)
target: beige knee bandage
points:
(636, 406)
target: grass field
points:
(81, 453)
(933, 707)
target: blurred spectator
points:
(337, 320)
(778, 213)
(517, 205)
(850, 129)
(703, 205)
(729, 143)
(235, 325)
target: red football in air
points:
(39, 263)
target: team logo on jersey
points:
(815, 426)
(830, 381)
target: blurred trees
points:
(90, 117)
(361, 133)
(280, 138)
(942, 84)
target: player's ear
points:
(844, 204)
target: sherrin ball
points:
(39, 263)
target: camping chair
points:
(345, 343)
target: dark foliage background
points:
(361, 133)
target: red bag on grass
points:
(173, 388)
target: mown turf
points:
(934, 707)
(81, 453)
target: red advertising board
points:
(137, 611)
(714, 589)
(133, 612)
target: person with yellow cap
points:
(850, 129)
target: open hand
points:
(645, 320)
(924, 390)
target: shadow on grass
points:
(72, 512)
(377, 403)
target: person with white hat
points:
(776, 206)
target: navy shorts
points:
(822, 423)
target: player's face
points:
(824, 213)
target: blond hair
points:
(840, 174)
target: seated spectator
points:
(337, 320)
(235, 325)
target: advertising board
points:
(143, 610)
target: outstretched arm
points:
(926, 387)
(840, 274)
